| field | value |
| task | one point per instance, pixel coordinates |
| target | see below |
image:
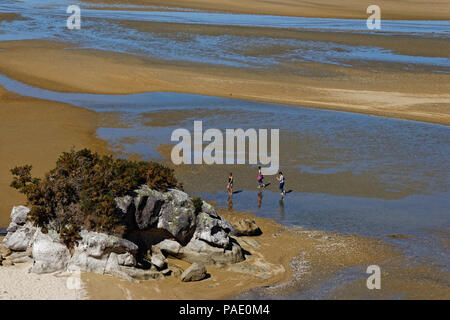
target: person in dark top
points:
(281, 179)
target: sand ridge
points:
(40, 63)
(348, 9)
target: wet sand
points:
(197, 179)
(10, 17)
(348, 9)
(423, 96)
(402, 44)
(405, 282)
(35, 132)
(285, 258)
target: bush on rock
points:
(79, 193)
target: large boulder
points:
(199, 251)
(170, 247)
(92, 252)
(49, 253)
(178, 215)
(162, 223)
(19, 214)
(148, 205)
(172, 211)
(195, 272)
(21, 238)
(213, 230)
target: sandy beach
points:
(349, 9)
(19, 284)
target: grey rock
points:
(98, 244)
(20, 239)
(166, 272)
(179, 198)
(93, 251)
(140, 274)
(83, 262)
(49, 254)
(123, 203)
(209, 209)
(177, 215)
(20, 254)
(126, 259)
(113, 268)
(12, 227)
(158, 259)
(195, 272)
(148, 209)
(201, 252)
(212, 230)
(19, 215)
(170, 247)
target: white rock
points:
(49, 254)
(19, 215)
(20, 239)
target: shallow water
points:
(349, 173)
(103, 29)
(381, 177)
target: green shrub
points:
(198, 203)
(80, 191)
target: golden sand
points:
(348, 9)
(421, 96)
(270, 261)
(35, 132)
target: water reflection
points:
(260, 196)
(230, 202)
(281, 209)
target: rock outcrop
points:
(195, 272)
(159, 224)
(169, 222)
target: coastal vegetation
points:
(79, 193)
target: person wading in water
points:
(281, 179)
(260, 179)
